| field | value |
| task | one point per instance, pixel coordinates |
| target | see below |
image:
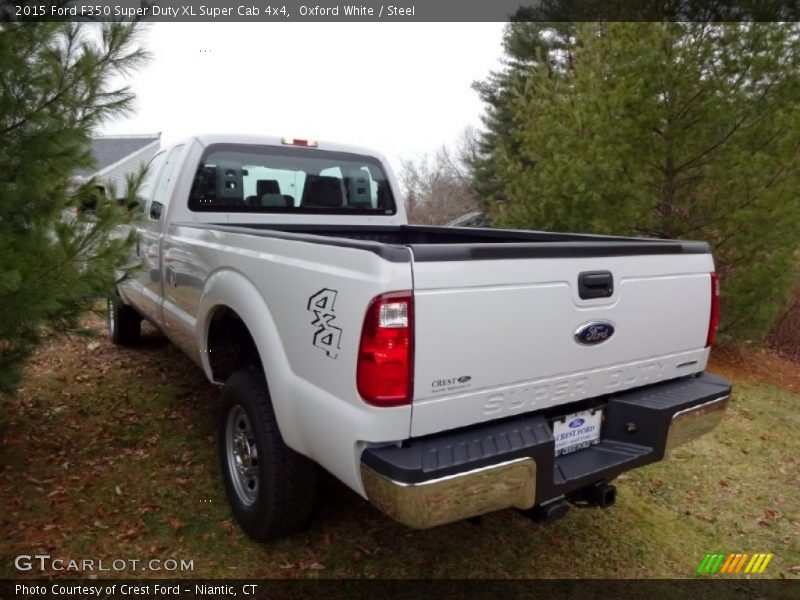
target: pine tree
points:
(679, 130)
(57, 259)
(528, 45)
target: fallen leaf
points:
(368, 552)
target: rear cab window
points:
(272, 179)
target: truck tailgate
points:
(497, 337)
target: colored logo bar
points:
(733, 563)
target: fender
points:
(126, 292)
(230, 288)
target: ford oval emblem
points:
(576, 423)
(594, 332)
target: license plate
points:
(577, 431)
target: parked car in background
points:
(475, 218)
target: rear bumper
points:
(467, 472)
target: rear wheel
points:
(124, 323)
(271, 487)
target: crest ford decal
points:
(327, 336)
(594, 332)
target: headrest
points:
(322, 191)
(267, 186)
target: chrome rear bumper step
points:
(459, 474)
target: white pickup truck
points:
(441, 373)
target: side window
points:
(146, 186)
(160, 198)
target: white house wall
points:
(115, 177)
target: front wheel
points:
(124, 323)
(271, 487)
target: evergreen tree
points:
(55, 90)
(679, 130)
(527, 46)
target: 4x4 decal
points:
(327, 336)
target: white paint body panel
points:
(507, 324)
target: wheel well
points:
(230, 345)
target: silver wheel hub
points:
(242, 455)
(243, 452)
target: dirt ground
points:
(759, 365)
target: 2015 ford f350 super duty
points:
(442, 373)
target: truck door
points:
(131, 288)
(150, 234)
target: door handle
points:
(595, 284)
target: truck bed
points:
(497, 312)
(452, 244)
(499, 308)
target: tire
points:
(124, 323)
(271, 488)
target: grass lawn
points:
(111, 453)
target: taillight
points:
(713, 321)
(386, 352)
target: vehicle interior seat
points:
(267, 186)
(229, 183)
(268, 193)
(322, 191)
(358, 189)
